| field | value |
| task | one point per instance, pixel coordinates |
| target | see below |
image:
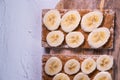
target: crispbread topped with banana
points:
(72, 25)
(77, 67)
(77, 28)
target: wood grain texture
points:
(93, 4)
(20, 30)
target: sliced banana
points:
(104, 62)
(70, 20)
(74, 39)
(103, 76)
(72, 66)
(52, 19)
(91, 21)
(98, 37)
(61, 76)
(53, 66)
(55, 38)
(88, 66)
(81, 76)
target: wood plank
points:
(92, 4)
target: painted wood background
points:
(20, 38)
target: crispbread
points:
(107, 22)
(65, 58)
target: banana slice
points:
(53, 66)
(74, 39)
(81, 76)
(98, 37)
(61, 76)
(52, 19)
(103, 76)
(70, 20)
(55, 38)
(91, 21)
(88, 66)
(104, 62)
(72, 66)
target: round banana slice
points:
(72, 66)
(61, 76)
(88, 66)
(53, 66)
(81, 76)
(74, 39)
(103, 76)
(70, 20)
(91, 21)
(104, 62)
(55, 38)
(98, 37)
(52, 19)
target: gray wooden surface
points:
(20, 38)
